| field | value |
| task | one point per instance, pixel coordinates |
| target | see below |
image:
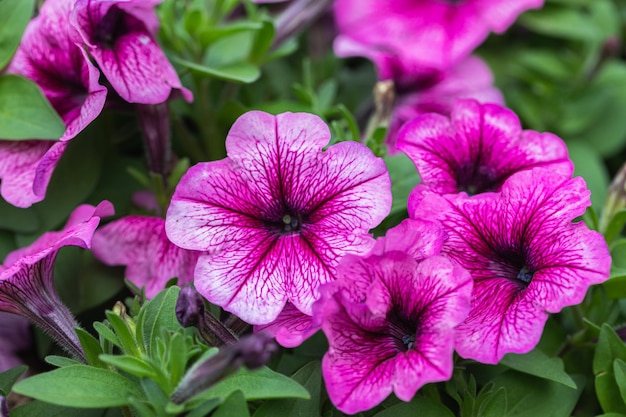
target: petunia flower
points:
(277, 214)
(434, 34)
(140, 243)
(390, 318)
(526, 255)
(476, 149)
(422, 92)
(418, 239)
(119, 35)
(26, 277)
(49, 56)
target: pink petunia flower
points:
(26, 277)
(390, 317)
(140, 243)
(48, 56)
(476, 149)
(434, 34)
(277, 215)
(435, 92)
(525, 254)
(119, 35)
(416, 238)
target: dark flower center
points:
(115, 24)
(514, 266)
(291, 222)
(402, 329)
(475, 179)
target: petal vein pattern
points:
(277, 214)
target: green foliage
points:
(24, 111)
(9, 377)
(14, 15)
(539, 364)
(80, 386)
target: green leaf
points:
(61, 361)
(529, 396)
(91, 347)
(418, 407)
(204, 408)
(24, 111)
(262, 41)
(79, 386)
(495, 405)
(619, 369)
(561, 22)
(539, 364)
(615, 227)
(209, 35)
(310, 377)
(234, 405)
(14, 16)
(590, 166)
(130, 364)
(240, 72)
(158, 315)
(257, 385)
(615, 287)
(8, 378)
(404, 178)
(43, 409)
(609, 348)
(123, 333)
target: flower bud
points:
(189, 307)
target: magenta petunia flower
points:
(390, 318)
(119, 35)
(140, 243)
(26, 277)
(435, 92)
(48, 56)
(476, 149)
(435, 34)
(525, 254)
(277, 215)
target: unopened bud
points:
(253, 351)
(189, 307)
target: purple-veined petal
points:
(140, 243)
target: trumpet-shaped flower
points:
(419, 92)
(433, 34)
(389, 319)
(26, 277)
(119, 35)
(525, 254)
(48, 56)
(277, 214)
(140, 243)
(476, 149)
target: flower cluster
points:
(278, 234)
(55, 53)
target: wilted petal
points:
(140, 243)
